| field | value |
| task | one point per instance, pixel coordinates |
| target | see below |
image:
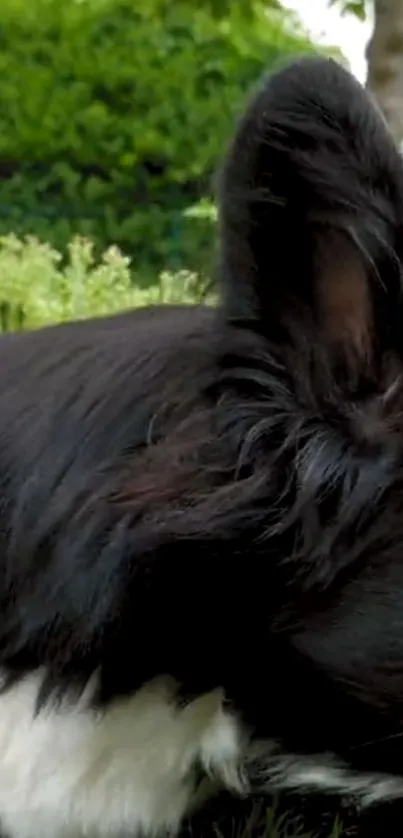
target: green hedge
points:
(113, 114)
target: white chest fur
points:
(69, 772)
(72, 773)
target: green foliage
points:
(114, 113)
(359, 8)
(38, 287)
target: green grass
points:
(259, 819)
(269, 825)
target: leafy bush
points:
(113, 115)
(38, 287)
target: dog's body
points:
(201, 519)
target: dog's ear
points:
(311, 212)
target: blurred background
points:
(114, 115)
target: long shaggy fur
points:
(216, 495)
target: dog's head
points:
(311, 225)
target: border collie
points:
(201, 517)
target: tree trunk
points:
(385, 62)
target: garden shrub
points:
(114, 113)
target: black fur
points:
(217, 494)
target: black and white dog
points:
(201, 518)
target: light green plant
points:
(38, 287)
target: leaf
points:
(354, 7)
